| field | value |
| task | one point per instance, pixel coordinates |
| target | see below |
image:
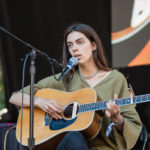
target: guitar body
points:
(48, 135)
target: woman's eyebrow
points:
(76, 40)
(79, 39)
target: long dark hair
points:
(98, 54)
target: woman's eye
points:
(80, 42)
(69, 45)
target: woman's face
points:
(80, 47)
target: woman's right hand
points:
(49, 106)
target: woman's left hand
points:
(113, 111)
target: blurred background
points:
(123, 26)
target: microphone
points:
(72, 62)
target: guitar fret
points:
(104, 104)
(98, 106)
(81, 109)
(144, 98)
(84, 108)
(88, 107)
(119, 102)
(92, 106)
(148, 96)
(123, 101)
(138, 98)
(134, 100)
(128, 100)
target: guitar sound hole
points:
(69, 110)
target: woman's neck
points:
(88, 70)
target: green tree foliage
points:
(2, 97)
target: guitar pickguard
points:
(60, 124)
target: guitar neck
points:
(120, 102)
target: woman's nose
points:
(74, 48)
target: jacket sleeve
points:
(132, 124)
(48, 82)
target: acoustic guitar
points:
(79, 115)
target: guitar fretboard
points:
(120, 102)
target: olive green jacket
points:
(114, 83)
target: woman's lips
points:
(77, 56)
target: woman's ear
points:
(94, 46)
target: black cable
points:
(52, 61)
(53, 72)
(23, 79)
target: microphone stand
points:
(31, 139)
